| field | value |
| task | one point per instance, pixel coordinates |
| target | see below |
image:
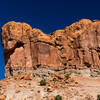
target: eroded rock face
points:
(77, 46)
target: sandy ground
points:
(87, 88)
(88, 85)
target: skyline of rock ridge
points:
(76, 46)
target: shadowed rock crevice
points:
(10, 52)
(7, 56)
(19, 44)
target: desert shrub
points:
(98, 97)
(67, 76)
(29, 83)
(58, 97)
(38, 91)
(43, 82)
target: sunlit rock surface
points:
(76, 46)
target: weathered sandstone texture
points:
(76, 46)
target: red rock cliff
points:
(77, 46)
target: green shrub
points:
(67, 76)
(58, 97)
(43, 82)
(98, 97)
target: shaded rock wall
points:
(77, 46)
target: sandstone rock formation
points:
(77, 46)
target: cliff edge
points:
(76, 46)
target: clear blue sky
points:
(47, 15)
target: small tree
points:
(67, 76)
(98, 97)
(43, 82)
(58, 97)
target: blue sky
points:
(47, 15)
